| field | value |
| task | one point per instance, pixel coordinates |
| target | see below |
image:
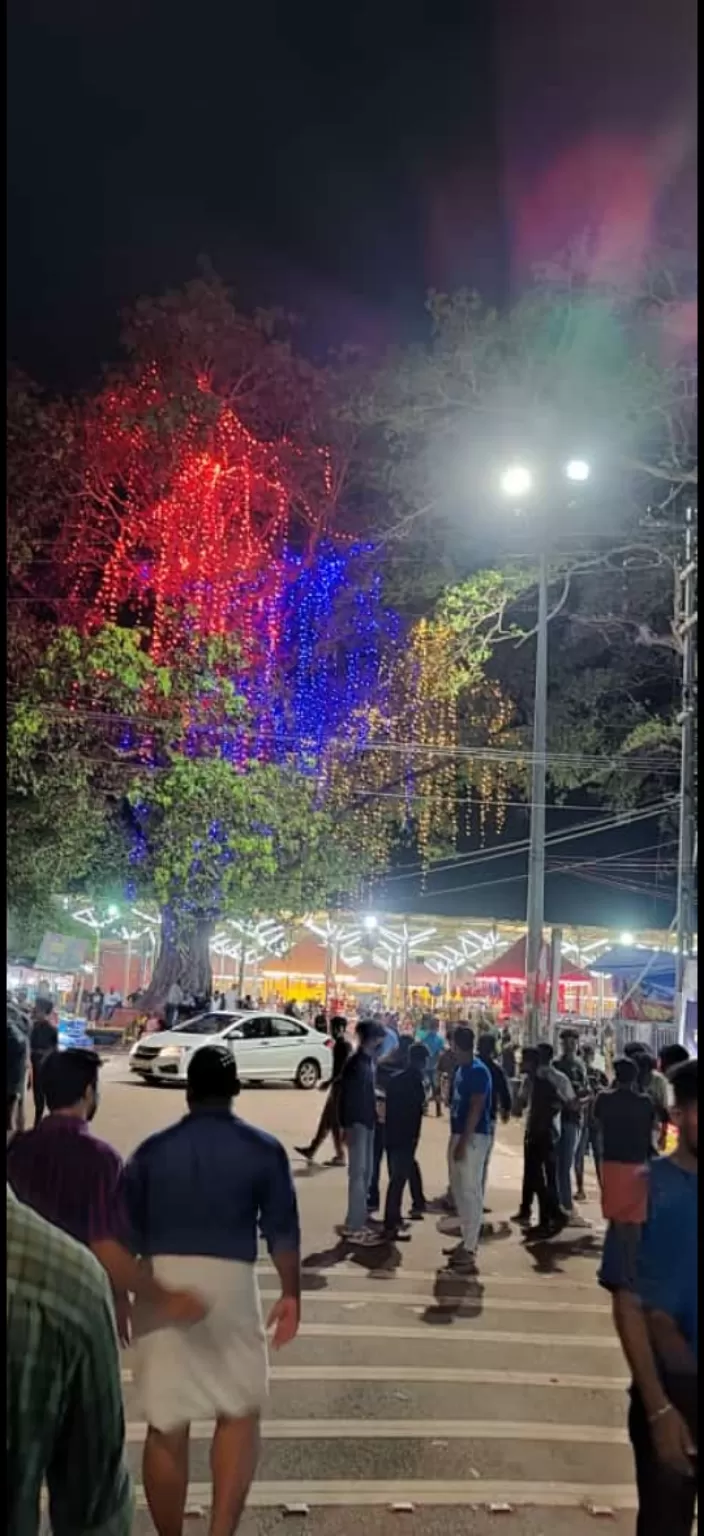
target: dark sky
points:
(339, 160)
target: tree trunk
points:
(184, 956)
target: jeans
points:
(540, 1178)
(403, 1170)
(566, 1148)
(374, 1197)
(666, 1501)
(492, 1139)
(360, 1160)
(466, 1185)
(586, 1143)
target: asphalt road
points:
(409, 1387)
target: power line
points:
(478, 856)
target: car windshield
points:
(207, 1023)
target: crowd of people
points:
(100, 1251)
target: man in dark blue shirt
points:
(358, 1117)
(470, 1133)
(501, 1102)
(651, 1272)
(196, 1195)
(404, 1104)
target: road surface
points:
(410, 1387)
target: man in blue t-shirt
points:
(651, 1271)
(470, 1139)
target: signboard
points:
(59, 953)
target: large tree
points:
(177, 731)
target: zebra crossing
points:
(414, 1392)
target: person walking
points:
(624, 1123)
(174, 1001)
(470, 1128)
(43, 1038)
(72, 1179)
(546, 1092)
(596, 1082)
(431, 1038)
(529, 1192)
(358, 1117)
(64, 1417)
(329, 1123)
(196, 1195)
(501, 1102)
(569, 1064)
(654, 1297)
(404, 1104)
(653, 1083)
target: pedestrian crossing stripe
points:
(432, 1375)
(348, 1493)
(413, 1429)
(447, 1302)
(455, 1335)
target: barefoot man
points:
(196, 1195)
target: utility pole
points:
(535, 913)
(687, 622)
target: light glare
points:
(516, 480)
(627, 939)
(577, 469)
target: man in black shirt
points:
(44, 1037)
(329, 1120)
(596, 1081)
(404, 1103)
(546, 1092)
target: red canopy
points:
(511, 966)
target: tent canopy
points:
(511, 966)
(626, 962)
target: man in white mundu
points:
(196, 1195)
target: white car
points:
(267, 1047)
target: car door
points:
(251, 1039)
(288, 1046)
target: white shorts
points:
(217, 1368)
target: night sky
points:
(339, 161)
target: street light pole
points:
(517, 482)
(535, 913)
(686, 856)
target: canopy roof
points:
(627, 961)
(511, 966)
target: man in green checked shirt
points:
(65, 1424)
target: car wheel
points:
(308, 1074)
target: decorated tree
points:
(222, 645)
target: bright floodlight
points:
(370, 920)
(516, 480)
(627, 939)
(113, 911)
(577, 469)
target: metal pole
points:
(555, 967)
(536, 858)
(128, 971)
(685, 862)
(241, 968)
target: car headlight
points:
(172, 1053)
